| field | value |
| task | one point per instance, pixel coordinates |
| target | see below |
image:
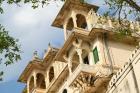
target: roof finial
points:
(49, 44)
(35, 54)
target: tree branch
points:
(133, 5)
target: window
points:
(95, 55)
(40, 81)
(65, 91)
(51, 74)
(31, 84)
(81, 21)
(70, 25)
(86, 60)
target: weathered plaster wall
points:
(127, 80)
(119, 52)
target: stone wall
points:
(127, 79)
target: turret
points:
(75, 14)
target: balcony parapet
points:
(89, 76)
(56, 79)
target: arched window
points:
(31, 84)
(41, 81)
(65, 91)
(85, 57)
(75, 61)
(70, 24)
(51, 74)
(81, 21)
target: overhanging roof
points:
(35, 64)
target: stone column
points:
(70, 65)
(65, 31)
(35, 79)
(91, 59)
(28, 90)
(47, 79)
(74, 18)
(79, 52)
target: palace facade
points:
(93, 59)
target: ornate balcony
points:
(90, 78)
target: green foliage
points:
(8, 47)
(123, 8)
(1, 74)
(122, 32)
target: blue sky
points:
(34, 31)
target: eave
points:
(50, 54)
(35, 64)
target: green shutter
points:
(95, 54)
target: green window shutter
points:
(95, 55)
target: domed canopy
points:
(69, 5)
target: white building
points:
(93, 58)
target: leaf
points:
(1, 10)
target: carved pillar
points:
(79, 52)
(91, 59)
(35, 79)
(47, 79)
(28, 90)
(65, 31)
(70, 64)
(74, 19)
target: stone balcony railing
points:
(101, 70)
(97, 69)
(59, 73)
(80, 68)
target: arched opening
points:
(65, 91)
(41, 81)
(85, 57)
(51, 74)
(81, 21)
(31, 84)
(75, 61)
(70, 24)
